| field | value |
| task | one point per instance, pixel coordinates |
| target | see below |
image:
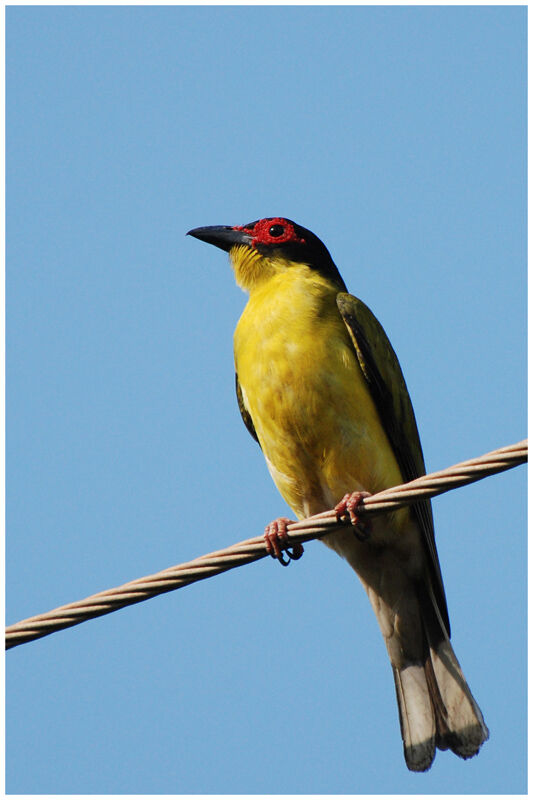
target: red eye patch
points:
(272, 231)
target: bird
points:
(321, 390)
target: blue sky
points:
(398, 135)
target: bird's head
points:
(266, 247)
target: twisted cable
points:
(253, 549)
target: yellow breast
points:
(302, 385)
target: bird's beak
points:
(222, 236)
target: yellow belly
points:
(302, 385)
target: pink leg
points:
(276, 541)
(348, 507)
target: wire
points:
(253, 549)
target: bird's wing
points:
(246, 418)
(385, 380)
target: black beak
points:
(222, 236)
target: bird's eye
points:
(276, 230)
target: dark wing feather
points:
(383, 374)
(242, 408)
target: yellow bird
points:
(320, 388)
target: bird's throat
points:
(250, 267)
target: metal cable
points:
(253, 549)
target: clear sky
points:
(398, 135)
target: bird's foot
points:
(276, 541)
(348, 506)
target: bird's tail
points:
(435, 705)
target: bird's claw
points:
(276, 541)
(349, 506)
